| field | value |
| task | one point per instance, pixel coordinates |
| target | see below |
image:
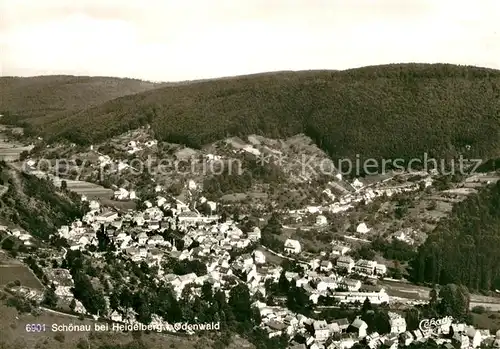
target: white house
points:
(142, 238)
(292, 246)
(255, 234)
(212, 205)
(156, 240)
(94, 205)
(121, 194)
(365, 266)
(326, 283)
(79, 308)
(321, 220)
(475, 337)
(380, 269)
(154, 225)
(338, 249)
(321, 330)
(357, 184)
(190, 217)
(362, 228)
(345, 262)
(313, 209)
(259, 257)
(351, 297)
(192, 185)
(325, 266)
(160, 201)
(397, 323)
(115, 316)
(359, 327)
(351, 285)
(461, 339)
(139, 220)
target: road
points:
(60, 313)
(283, 256)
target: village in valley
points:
(315, 293)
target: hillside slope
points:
(464, 248)
(379, 112)
(35, 204)
(44, 96)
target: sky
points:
(175, 40)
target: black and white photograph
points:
(249, 174)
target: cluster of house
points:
(320, 334)
(138, 236)
(357, 192)
(62, 282)
(32, 294)
(407, 235)
(364, 267)
(309, 333)
(124, 194)
(133, 232)
(134, 146)
(318, 280)
(116, 165)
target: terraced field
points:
(90, 190)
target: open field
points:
(14, 334)
(90, 190)
(10, 151)
(120, 205)
(11, 273)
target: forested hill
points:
(47, 97)
(381, 111)
(386, 111)
(465, 248)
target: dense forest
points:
(464, 248)
(392, 111)
(48, 97)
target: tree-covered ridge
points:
(381, 111)
(51, 97)
(464, 249)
